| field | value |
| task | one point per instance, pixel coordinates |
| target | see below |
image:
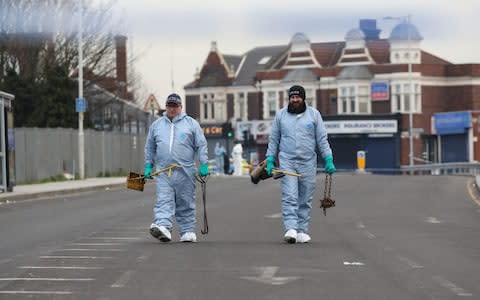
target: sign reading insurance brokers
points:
(361, 126)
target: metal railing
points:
(457, 168)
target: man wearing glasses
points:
(175, 138)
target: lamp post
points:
(407, 20)
(81, 137)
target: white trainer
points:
(160, 232)
(290, 236)
(188, 237)
(303, 237)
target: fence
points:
(456, 168)
(42, 153)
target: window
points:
(271, 104)
(240, 107)
(309, 97)
(213, 107)
(205, 110)
(363, 99)
(264, 60)
(401, 98)
(354, 99)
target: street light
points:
(81, 137)
(407, 20)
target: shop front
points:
(455, 134)
(377, 139)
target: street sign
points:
(80, 105)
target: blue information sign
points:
(80, 105)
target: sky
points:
(171, 39)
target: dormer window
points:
(264, 60)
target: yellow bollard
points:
(361, 161)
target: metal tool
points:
(203, 184)
(260, 173)
(136, 181)
(327, 200)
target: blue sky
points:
(176, 35)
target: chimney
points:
(121, 53)
(369, 28)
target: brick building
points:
(361, 85)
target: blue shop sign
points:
(452, 122)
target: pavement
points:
(53, 189)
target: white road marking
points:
(4, 261)
(113, 238)
(360, 225)
(44, 279)
(267, 276)
(81, 257)
(37, 292)
(354, 263)
(470, 188)
(123, 279)
(97, 244)
(409, 262)
(61, 267)
(452, 287)
(90, 249)
(274, 216)
(433, 220)
(142, 258)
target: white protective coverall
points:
(295, 138)
(176, 141)
(237, 151)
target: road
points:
(389, 237)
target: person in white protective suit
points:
(297, 131)
(175, 138)
(219, 158)
(237, 151)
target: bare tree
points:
(38, 33)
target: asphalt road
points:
(389, 237)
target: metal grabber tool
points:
(136, 181)
(327, 200)
(260, 173)
(203, 184)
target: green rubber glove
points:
(270, 164)
(203, 170)
(329, 166)
(147, 172)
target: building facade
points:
(381, 96)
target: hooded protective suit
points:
(219, 160)
(176, 141)
(295, 138)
